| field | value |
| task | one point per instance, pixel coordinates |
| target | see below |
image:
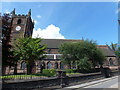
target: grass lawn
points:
(72, 73)
(46, 73)
(21, 76)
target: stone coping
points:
(50, 78)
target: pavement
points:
(104, 83)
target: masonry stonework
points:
(22, 26)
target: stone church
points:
(22, 26)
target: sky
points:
(96, 21)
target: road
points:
(112, 82)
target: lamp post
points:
(118, 35)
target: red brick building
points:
(53, 59)
(22, 26)
(15, 26)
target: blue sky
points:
(96, 21)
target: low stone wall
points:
(27, 84)
(30, 84)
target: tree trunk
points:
(28, 68)
(69, 65)
(78, 68)
(31, 68)
(3, 70)
(8, 70)
(15, 68)
(41, 68)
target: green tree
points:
(29, 49)
(113, 46)
(77, 51)
(118, 52)
(5, 38)
(85, 64)
(68, 51)
(116, 49)
(118, 56)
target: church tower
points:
(22, 25)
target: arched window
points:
(61, 65)
(49, 65)
(42, 65)
(56, 65)
(74, 65)
(19, 21)
(23, 65)
(110, 61)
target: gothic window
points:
(23, 65)
(49, 65)
(19, 21)
(61, 65)
(42, 65)
(74, 65)
(56, 65)
(110, 61)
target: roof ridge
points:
(63, 39)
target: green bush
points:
(85, 64)
(49, 72)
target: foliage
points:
(116, 49)
(85, 64)
(49, 72)
(7, 55)
(29, 49)
(113, 46)
(46, 73)
(77, 51)
(70, 70)
(6, 40)
(118, 52)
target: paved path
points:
(104, 83)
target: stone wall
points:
(40, 83)
(54, 81)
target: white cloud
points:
(38, 16)
(51, 32)
(7, 11)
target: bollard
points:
(105, 72)
(62, 75)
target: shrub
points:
(49, 72)
(84, 64)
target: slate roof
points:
(55, 43)
(106, 50)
